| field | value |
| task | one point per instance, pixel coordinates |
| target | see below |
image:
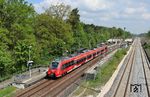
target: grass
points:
(106, 71)
(103, 75)
(147, 49)
(80, 89)
(7, 92)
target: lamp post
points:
(90, 44)
(29, 51)
(29, 64)
(124, 33)
(64, 49)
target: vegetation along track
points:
(147, 59)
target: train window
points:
(72, 62)
(89, 56)
(78, 61)
(63, 67)
(75, 62)
(54, 65)
(67, 64)
(94, 54)
(82, 60)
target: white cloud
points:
(39, 7)
(146, 16)
(134, 10)
(94, 5)
(106, 12)
(130, 10)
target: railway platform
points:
(24, 80)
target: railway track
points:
(145, 66)
(36, 87)
(134, 80)
(127, 67)
(52, 88)
(56, 88)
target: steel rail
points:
(146, 82)
(126, 88)
(34, 89)
(55, 85)
(66, 82)
(127, 64)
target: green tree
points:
(16, 26)
(17, 17)
(50, 31)
(77, 28)
(148, 33)
(6, 61)
(60, 11)
(74, 19)
(4, 40)
(51, 34)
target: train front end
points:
(53, 70)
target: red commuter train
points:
(60, 67)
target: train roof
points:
(77, 55)
(62, 58)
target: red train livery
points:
(60, 67)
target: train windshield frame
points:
(54, 65)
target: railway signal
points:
(29, 64)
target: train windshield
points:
(54, 65)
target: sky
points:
(134, 15)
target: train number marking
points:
(135, 88)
